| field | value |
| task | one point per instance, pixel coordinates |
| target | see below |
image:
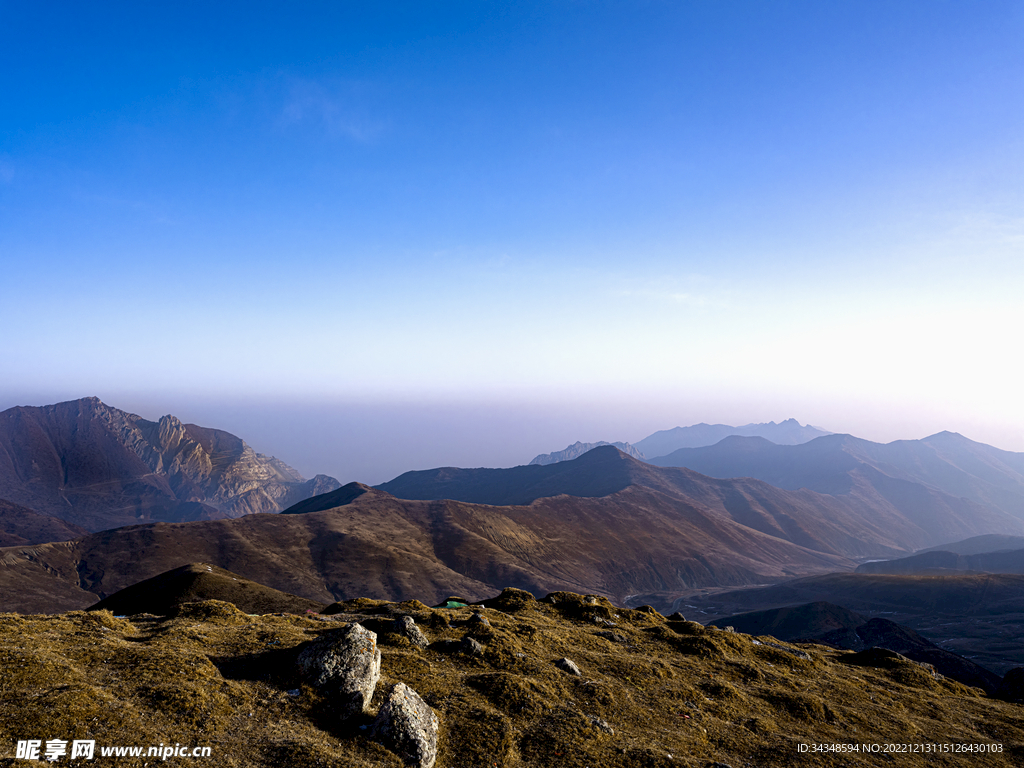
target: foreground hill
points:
(914, 476)
(98, 467)
(166, 593)
(833, 625)
(362, 541)
(650, 692)
(979, 616)
(860, 524)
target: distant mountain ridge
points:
(98, 467)
(853, 525)
(977, 545)
(577, 449)
(903, 472)
(937, 562)
(788, 432)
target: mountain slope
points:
(20, 525)
(979, 616)
(833, 625)
(165, 593)
(98, 467)
(863, 523)
(375, 545)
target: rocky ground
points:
(566, 681)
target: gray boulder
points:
(405, 626)
(343, 665)
(407, 726)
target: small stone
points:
(471, 647)
(615, 637)
(601, 725)
(407, 726)
(677, 616)
(478, 619)
(344, 665)
(568, 665)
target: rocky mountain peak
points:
(100, 467)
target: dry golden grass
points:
(652, 692)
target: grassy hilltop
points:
(652, 691)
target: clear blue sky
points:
(467, 233)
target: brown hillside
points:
(637, 540)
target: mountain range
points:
(912, 476)
(97, 467)
(362, 542)
(788, 432)
(604, 523)
(890, 516)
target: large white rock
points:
(407, 726)
(345, 666)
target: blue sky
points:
(467, 233)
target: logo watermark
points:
(53, 750)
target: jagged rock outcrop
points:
(407, 726)
(345, 666)
(99, 467)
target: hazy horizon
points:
(375, 442)
(375, 238)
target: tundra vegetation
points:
(651, 690)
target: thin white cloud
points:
(335, 110)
